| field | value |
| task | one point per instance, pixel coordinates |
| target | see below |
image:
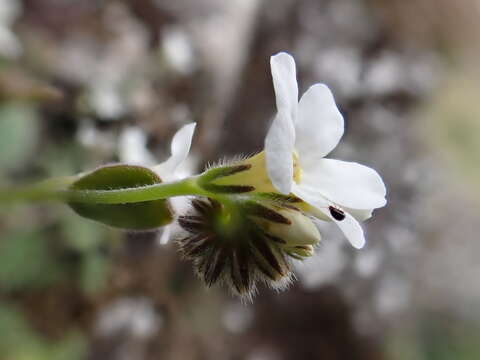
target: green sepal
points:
(144, 215)
(221, 172)
(300, 252)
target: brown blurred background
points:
(84, 83)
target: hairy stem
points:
(57, 190)
(43, 191)
(183, 187)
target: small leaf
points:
(135, 216)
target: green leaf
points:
(135, 216)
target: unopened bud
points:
(300, 251)
(247, 241)
(296, 229)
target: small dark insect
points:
(337, 214)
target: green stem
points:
(139, 194)
(42, 191)
(57, 190)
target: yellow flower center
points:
(297, 170)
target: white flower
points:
(302, 134)
(169, 170)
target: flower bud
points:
(246, 241)
(300, 251)
(298, 231)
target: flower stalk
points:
(58, 189)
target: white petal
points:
(280, 140)
(279, 146)
(179, 205)
(180, 147)
(352, 230)
(284, 77)
(360, 215)
(349, 226)
(348, 184)
(319, 125)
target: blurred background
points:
(85, 83)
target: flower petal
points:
(280, 140)
(348, 184)
(319, 125)
(179, 204)
(349, 226)
(352, 230)
(284, 77)
(180, 147)
(360, 214)
(279, 146)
